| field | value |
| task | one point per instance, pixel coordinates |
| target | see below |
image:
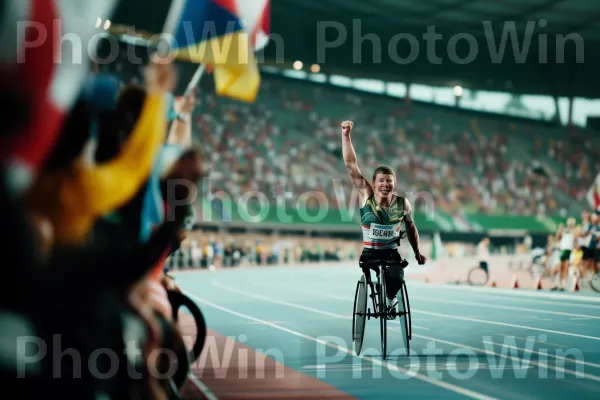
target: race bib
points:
(383, 231)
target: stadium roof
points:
(304, 29)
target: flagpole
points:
(195, 80)
(173, 17)
(170, 27)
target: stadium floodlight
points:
(98, 22)
(107, 24)
(458, 91)
(298, 65)
(315, 68)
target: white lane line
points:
(455, 344)
(567, 359)
(484, 321)
(318, 311)
(488, 295)
(285, 303)
(448, 386)
(513, 292)
(487, 305)
(526, 339)
(272, 300)
(208, 394)
(521, 362)
(336, 297)
(534, 301)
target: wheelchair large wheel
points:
(478, 276)
(409, 319)
(595, 282)
(404, 310)
(358, 315)
(178, 300)
(383, 313)
(538, 271)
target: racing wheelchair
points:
(366, 288)
(186, 357)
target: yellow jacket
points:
(73, 199)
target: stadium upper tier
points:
(467, 171)
(462, 170)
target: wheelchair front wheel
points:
(595, 282)
(478, 276)
(359, 314)
(409, 319)
(404, 312)
(383, 313)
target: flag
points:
(45, 61)
(224, 34)
(593, 196)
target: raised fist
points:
(347, 127)
(160, 76)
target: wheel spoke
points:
(359, 314)
(383, 317)
(405, 318)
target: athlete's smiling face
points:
(384, 184)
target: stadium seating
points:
(471, 171)
(478, 169)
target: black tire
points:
(358, 314)
(595, 282)
(409, 319)
(404, 310)
(537, 270)
(383, 314)
(178, 300)
(478, 277)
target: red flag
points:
(593, 196)
(47, 62)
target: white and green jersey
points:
(567, 240)
(381, 226)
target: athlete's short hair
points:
(385, 170)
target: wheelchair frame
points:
(376, 291)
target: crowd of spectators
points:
(289, 142)
(209, 250)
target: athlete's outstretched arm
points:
(412, 233)
(358, 180)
